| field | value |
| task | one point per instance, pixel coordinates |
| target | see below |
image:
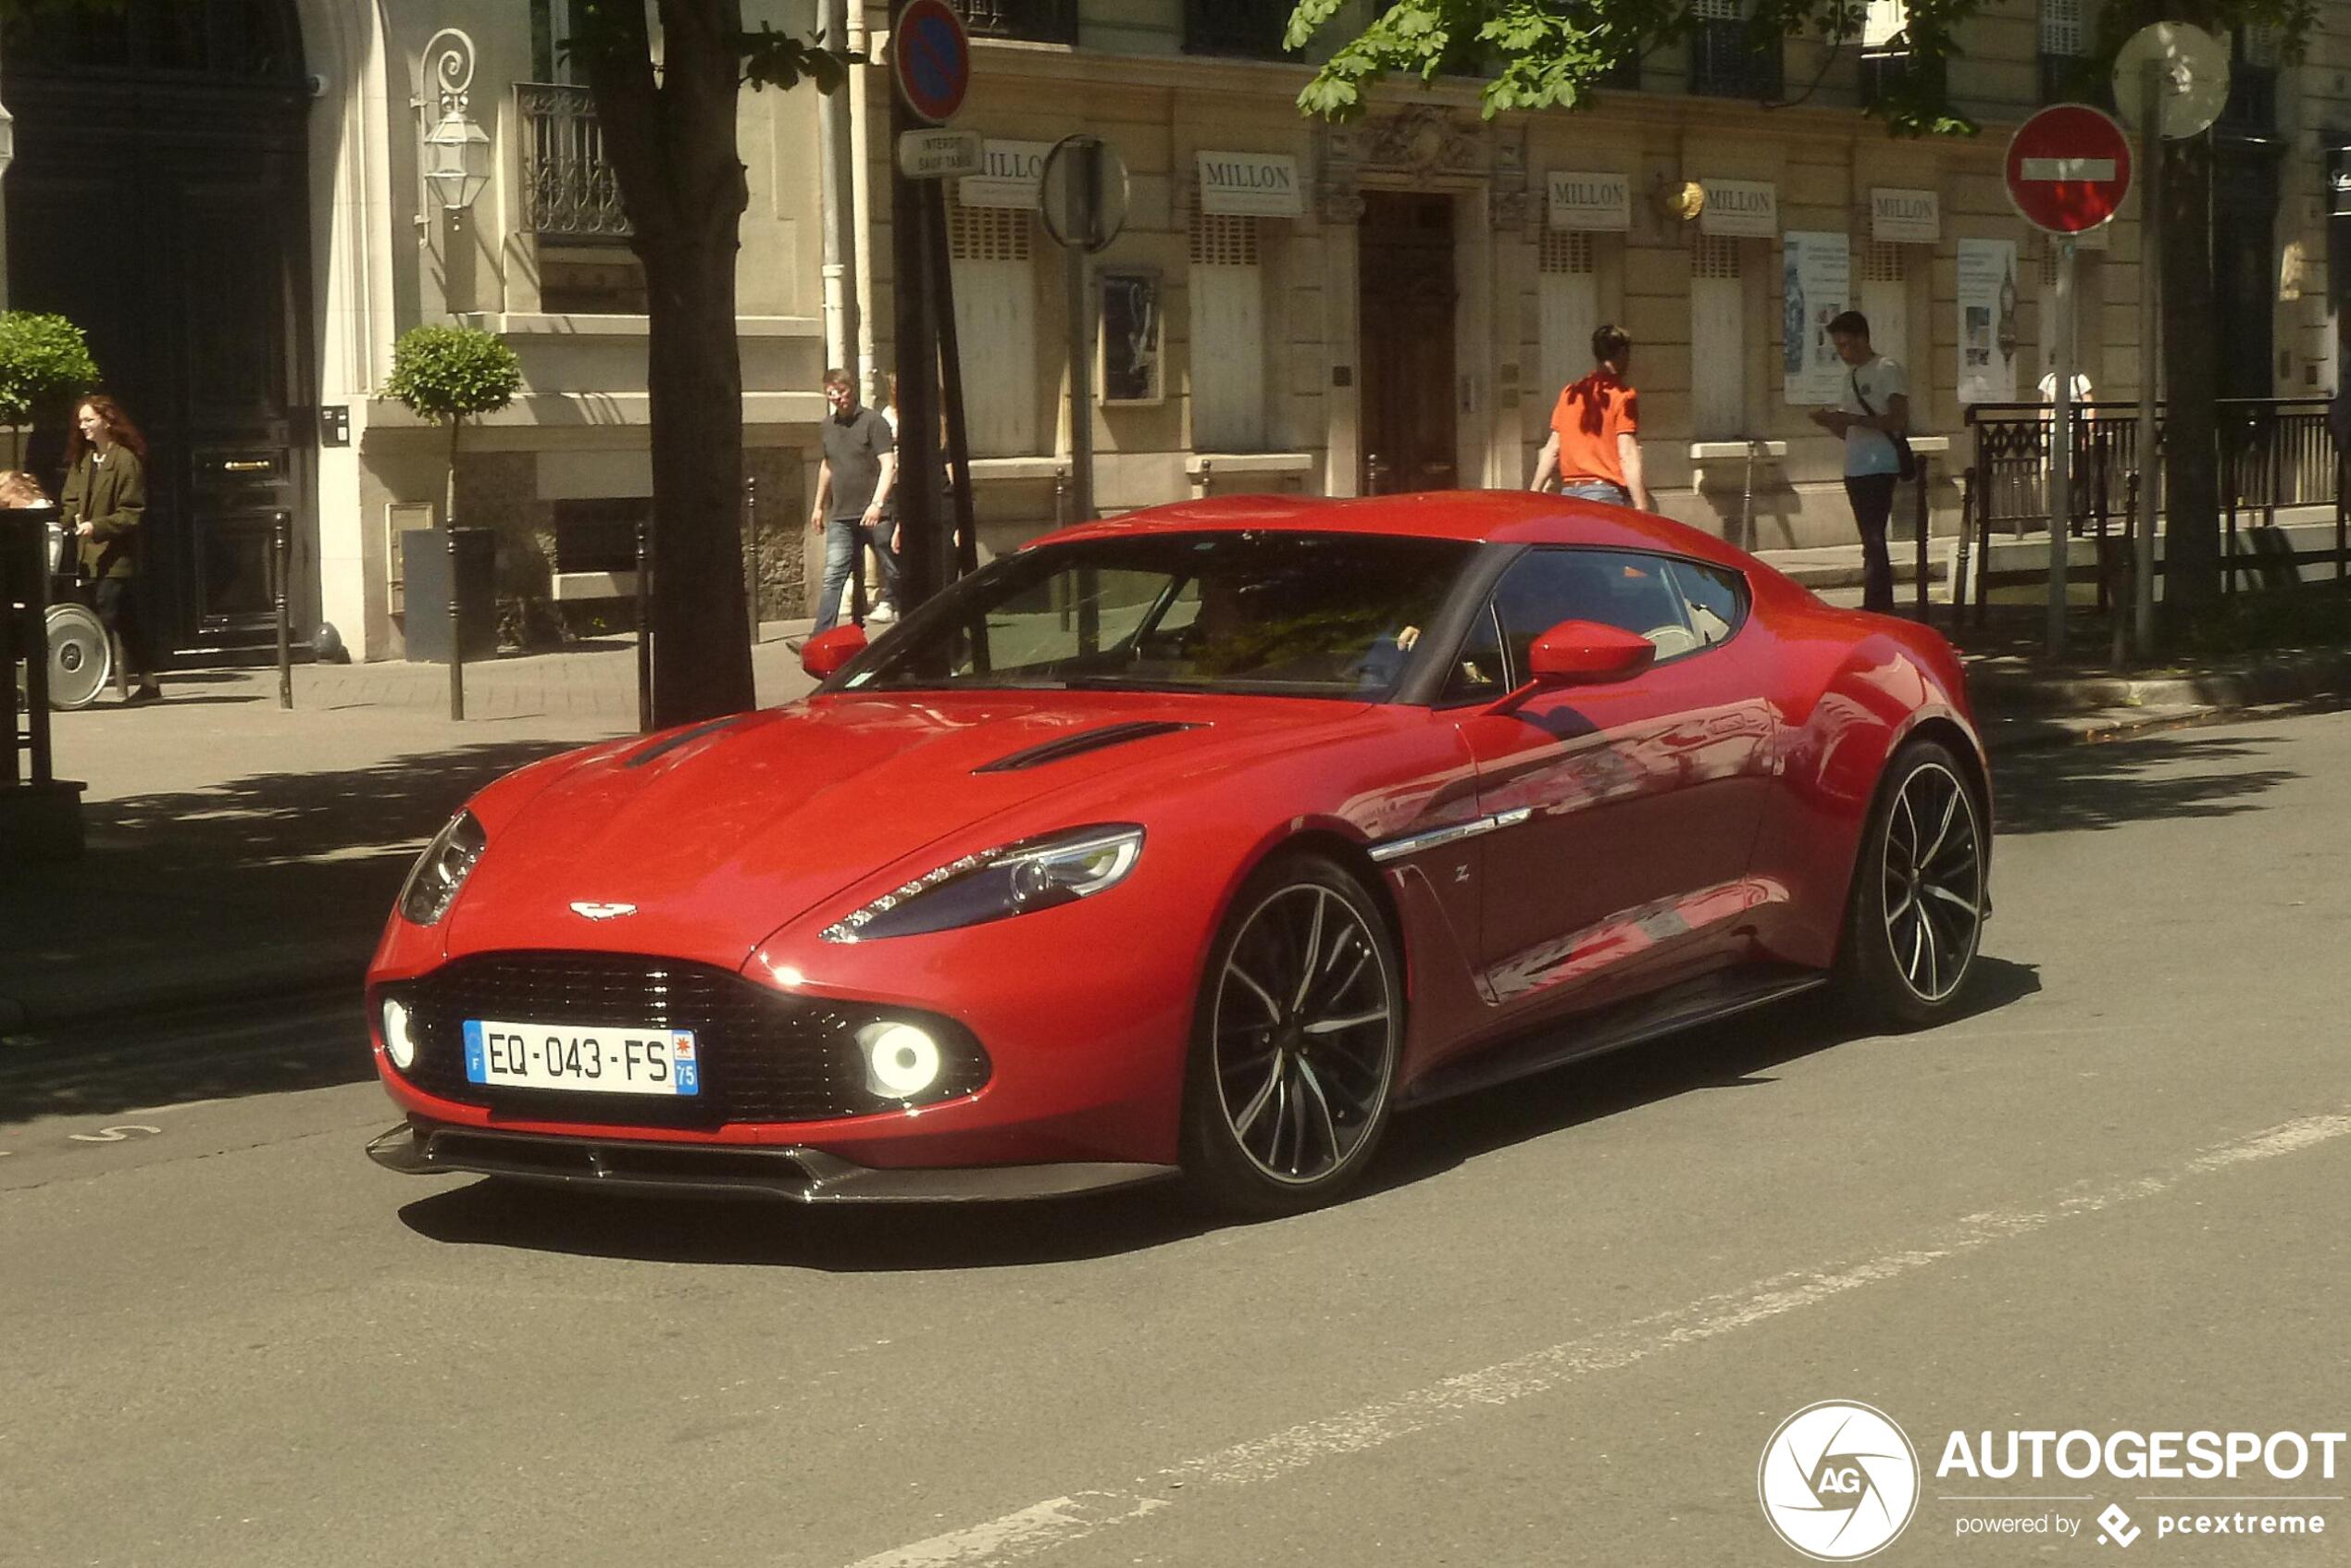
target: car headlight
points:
(1017, 879)
(434, 882)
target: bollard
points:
(751, 548)
(281, 554)
(644, 636)
(456, 633)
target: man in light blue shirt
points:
(1873, 410)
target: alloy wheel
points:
(1306, 1029)
(1933, 874)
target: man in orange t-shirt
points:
(1595, 450)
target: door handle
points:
(247, 466)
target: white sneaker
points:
(881, 614)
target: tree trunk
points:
(2191, 446)
(672, 146)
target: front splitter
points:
(797, 1175)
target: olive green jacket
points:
(112, 498)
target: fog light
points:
(398, 1044)
(900, 1060)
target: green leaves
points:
(780, 60)
(447, 373)
(1560, 53)
(43, 359)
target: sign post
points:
(1083, 201)
(2068, 170)
(930, 61)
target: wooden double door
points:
(167, 218)
(1409, 302)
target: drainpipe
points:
(841, 202)
(860, 157)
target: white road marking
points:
(1059, 1521)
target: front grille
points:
(764, 1056)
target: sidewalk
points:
(241, 854)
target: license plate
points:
(592, 1058)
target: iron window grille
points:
(1037, 21)
(1724, 64)
(569, 191)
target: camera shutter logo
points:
(1838, 1481)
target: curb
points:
(2302, 677)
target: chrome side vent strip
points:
(1397, 849)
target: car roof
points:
(1480, 517)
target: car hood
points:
(699, 843)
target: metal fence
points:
(2275, 455)
(1042, 21)
(569, 191)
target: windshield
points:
(1304, 614)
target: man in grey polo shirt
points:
(854, 507)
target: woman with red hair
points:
(103, 502)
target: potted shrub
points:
(448, 374)
(44, 361)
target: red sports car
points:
(1192, 843)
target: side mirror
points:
(824, 654)
(1588, 654)
(1580, 653)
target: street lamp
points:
(456, 150)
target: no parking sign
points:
(932, 59)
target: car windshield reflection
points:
(1298, 615)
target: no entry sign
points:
(2069, 168)
(932, 59)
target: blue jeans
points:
(843, 539)
(1598, 490)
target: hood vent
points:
(1078, 745)
(684, 737)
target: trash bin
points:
(425, 572)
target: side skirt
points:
(1701, 1001)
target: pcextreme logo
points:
(1838, 1481)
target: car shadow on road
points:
(1421, 1144)
(2137, 780)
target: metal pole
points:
(960, 553)
(281, 554)
(2151, 360)
(457, 627)
(2062, 449)
(840, 204)
(1923, 586)
(645, 635)
(751, 546)
(1078, 224)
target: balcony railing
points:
(1724, 64)
(1252, 29)
(1039, 21)
(569, 192)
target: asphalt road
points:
(1563, 1328)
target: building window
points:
(1249, 28)
(1718, 340)
(1039, 21)
(2252, 109)
(1570, 306)
(1885, 298)
(990, 249)
(2063, 43)
(1722, 65)
(1228, 334)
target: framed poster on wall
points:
(1129, 358)
(1987, 321)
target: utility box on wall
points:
(424, 560)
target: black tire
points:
(1293, 1061)
(1916, 914)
